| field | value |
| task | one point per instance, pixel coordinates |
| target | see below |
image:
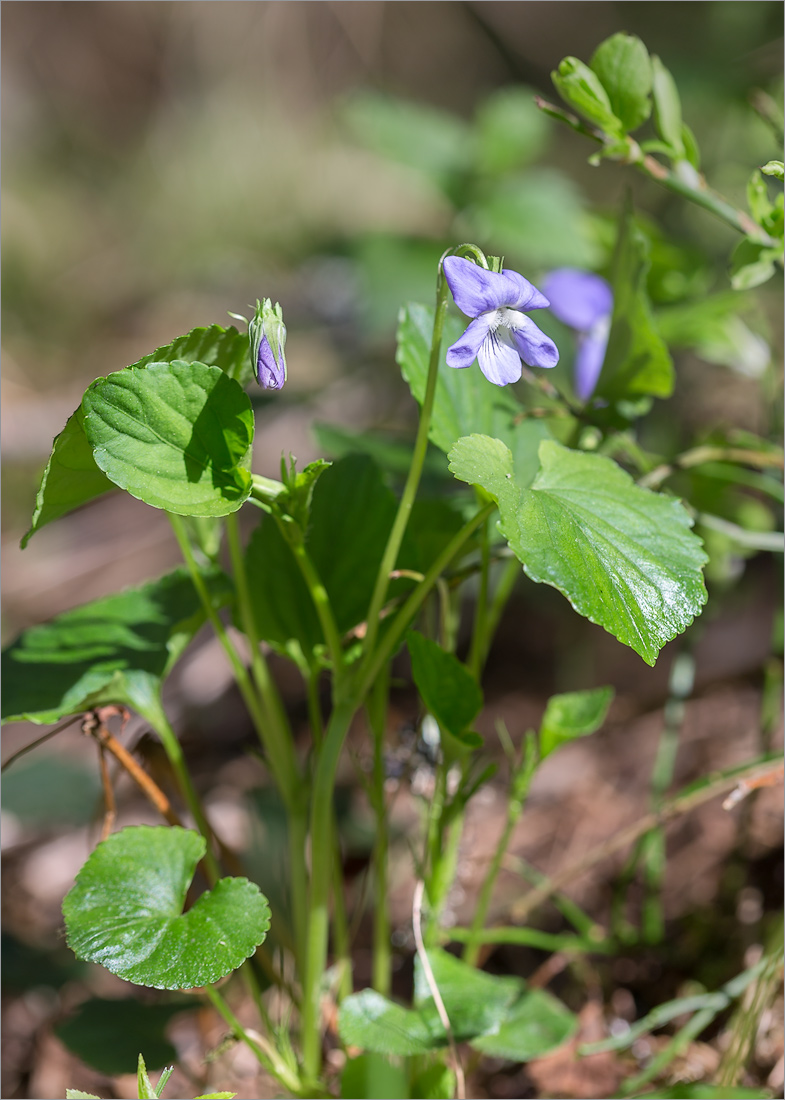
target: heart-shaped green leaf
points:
(176, 435)
(623, 556)
(126, 911)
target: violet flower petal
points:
(464, 351)
(589, 357)
(528, 296)
(534, 347)
(500, 363)
(269, 373)
(476, 290)
(578, 298)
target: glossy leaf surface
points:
(176, 435)
(126, 911)
(623, 556)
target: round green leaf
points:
(125, 912)
(176, 435)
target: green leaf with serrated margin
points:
(71, 477)
(176, 435)
(118, 649)
(215, 346)
(623, 66)
(126, 911)
(623, 556)
(572, 714)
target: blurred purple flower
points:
(500, 336)
(584, 302)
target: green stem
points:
(521, 780)
(264, 1051)
(478, 644)
(321, 834)
(697, 192)
(247, 691)
(276, 737)
(510, 574)
(155, 715)
(314, 705)
(377, 718)
(390, 555)
(393, 635)
(324, 610)
(341, 938)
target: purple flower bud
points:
(267, 334)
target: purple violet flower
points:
(500, 335)
(267, 334)
(584, 302)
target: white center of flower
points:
(506, 318)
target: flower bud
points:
(267, 334)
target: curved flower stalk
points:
(500, 334)
(583, 301)
(267, 334)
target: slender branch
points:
(377, 716)
(755, 540)
(321, 833)
(395, 538)
(264, 1051)
(391, 639)
(39, 741)
(155, 715)
(324, 609)
(699, 455)
(697, 191)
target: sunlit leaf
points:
(126, 911)
(623, 556)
